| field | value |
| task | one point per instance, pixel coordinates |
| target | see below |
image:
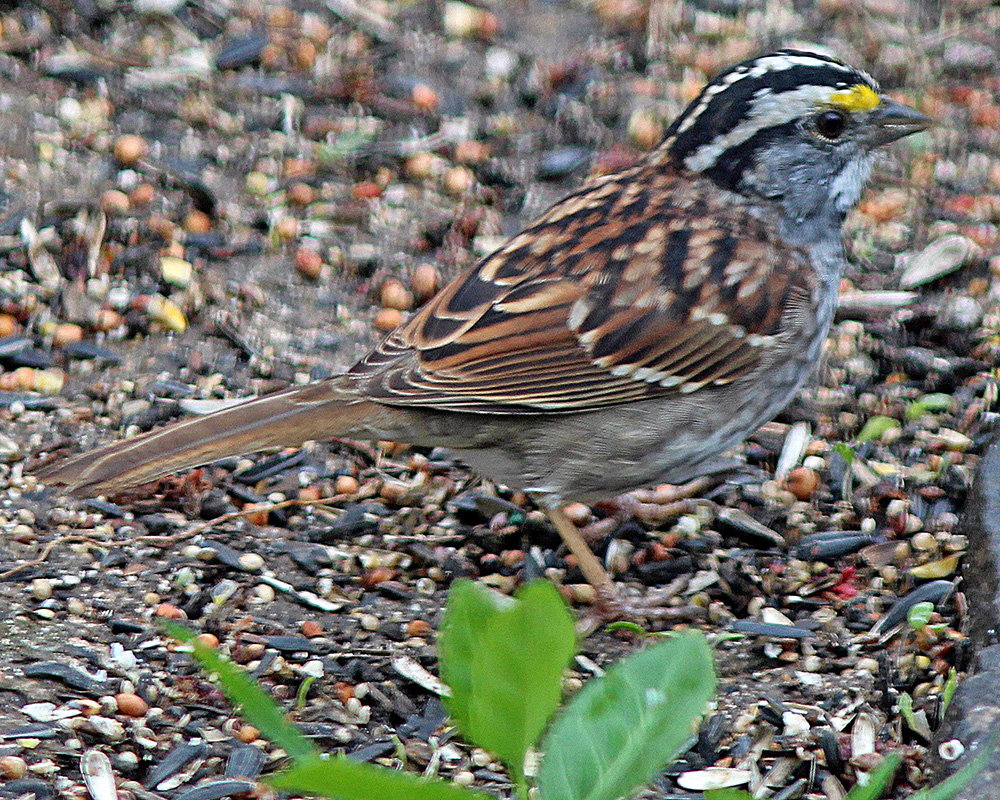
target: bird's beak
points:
(891, 121)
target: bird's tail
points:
(288, 418)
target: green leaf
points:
(919, 615)
(621, 729)
(256, 705)
(845, 451)
(876, 781)
(928, 404)
(906, 710)
(950, 685)
(343, 779)
(469, 606)
(503, 659)
(345, 144)
(624, 626)
(302, 695)
(875, 427)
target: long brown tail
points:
(322, 410)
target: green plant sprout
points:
(503, 659)
(919, 615)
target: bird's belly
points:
(613, 450)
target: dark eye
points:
(830, 124)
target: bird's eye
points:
(830, 124)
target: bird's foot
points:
(651, 506)
(654, 607)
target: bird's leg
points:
(591, 568)
(609, 604)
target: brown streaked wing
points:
(613, 296)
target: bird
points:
(645, 324)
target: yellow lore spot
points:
(860, 97)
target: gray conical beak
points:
(892, 121)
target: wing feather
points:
(605, 300)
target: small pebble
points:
(345, 691)
(209, 640)
(304, 54)
(578, 513)
(388, 319)
(12, 767)
(167, 313)
(41, 588)
(310, 494)
(169, 611)
(129, 149)
(257, 183)
(458, 180)
(464, 778)
(644, 129)
(108, 320)
(425, 98)
(251, 562)
(420, 166)
(114, 202)
(802, 482)
(301, 194)
(197, 222)
(419, 628)
(369, 622)
(367, 190)
(131, 705)
(66, 333)
(176, 271)
(395, 295)
(23, 534)
(466, 20)
(142, 195)
(924, 541)
(247, 734)
(346, 484)
(470, 151)
(311, 629)
(257, 513)
(374, 577)
(287, 228)
(265, 593)
(867, 664)
(581, 593)
(308, 262)
(424, 282)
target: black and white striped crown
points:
(759, 98)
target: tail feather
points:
(285, 419)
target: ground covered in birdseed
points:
(207, 201)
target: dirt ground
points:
(298, 158)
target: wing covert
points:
(612, 296)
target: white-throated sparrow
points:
(646, 323)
